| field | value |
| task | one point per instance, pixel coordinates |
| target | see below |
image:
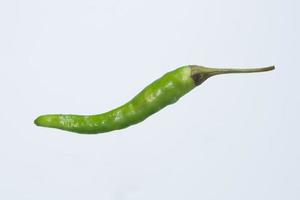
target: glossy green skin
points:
(162, 92)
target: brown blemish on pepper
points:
(197, 78)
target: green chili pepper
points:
(162, 92)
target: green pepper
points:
(159, 94)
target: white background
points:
(234, 137)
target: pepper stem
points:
(217, 71)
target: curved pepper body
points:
(162, 92)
